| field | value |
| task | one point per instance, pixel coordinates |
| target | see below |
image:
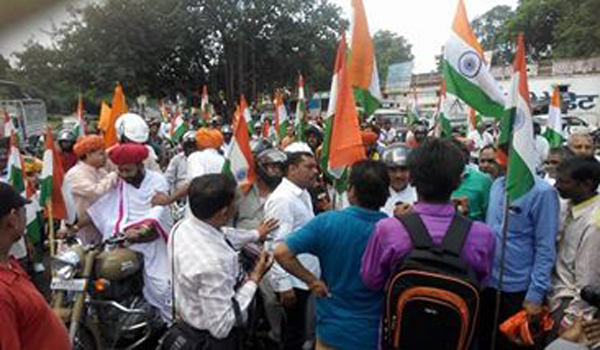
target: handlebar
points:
(116, 240)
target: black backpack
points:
(432, 297)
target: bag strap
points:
(418, 233)
(456, 235)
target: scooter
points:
(97, 292)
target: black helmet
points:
(66, 135)
(312, 129)
(189, 137)
(395, 155)
(226, 129)
(270, 156)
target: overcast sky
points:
(425, 23)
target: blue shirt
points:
(350, 318)
(531, 244)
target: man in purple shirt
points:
(436, 168)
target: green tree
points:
(489, 30)
(390, 48)
(5, 68)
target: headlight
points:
(65, 264)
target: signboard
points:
(399, 76)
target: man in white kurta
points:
(127, 209)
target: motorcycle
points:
(97, 292)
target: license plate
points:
(75, 284)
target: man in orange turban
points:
(206, 160)
(88, 181)
(209, 138)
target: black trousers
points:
(510, 304)
(294, 331)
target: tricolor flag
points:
(444, 126)
(240, 162)
(9, 127)
(205, 105)
(119, 107)
(414, 114)
(466, 73)
(53, 196)
(362, 67)
(281, 117)
(301, 114)
(178, 127)
(554, 132)
(333, 96)
(80, 129)
(16, 176)
(345, 144)
(245, 112)
(522, 155)
(474, 120)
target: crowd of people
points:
(317, 258)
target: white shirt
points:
(408, 195)
(542, 149)
(206, 273)
(208, 161)
(480, 141)
(126, 206)
(292, 206)
(176, 173)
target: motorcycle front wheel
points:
(84, 339)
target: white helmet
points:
(298, 147)
(133, 127)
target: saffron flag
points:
(301, 114)
(105, 112)
(119, 107)
(362, 67)
(466, 73)
(554, 132)
(522, 155)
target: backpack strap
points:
(418, 233)
(457, 233)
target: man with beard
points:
(127, 209)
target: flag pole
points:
(50, 228)
(501, 262)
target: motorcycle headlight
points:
(65, 264)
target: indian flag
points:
(245, 112)
(80, 128)
(522, 155)
(466, 73)
(362, 67)
(56, 198)
(444, 128)
(554, 132)
(345, 144)
(9, 127)
(414, 114)
(178, 128)
(16, 176)
(205, 105)
(474, 120)
(240, 162)
(281, 117)
(301, 111)
(333, 97)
